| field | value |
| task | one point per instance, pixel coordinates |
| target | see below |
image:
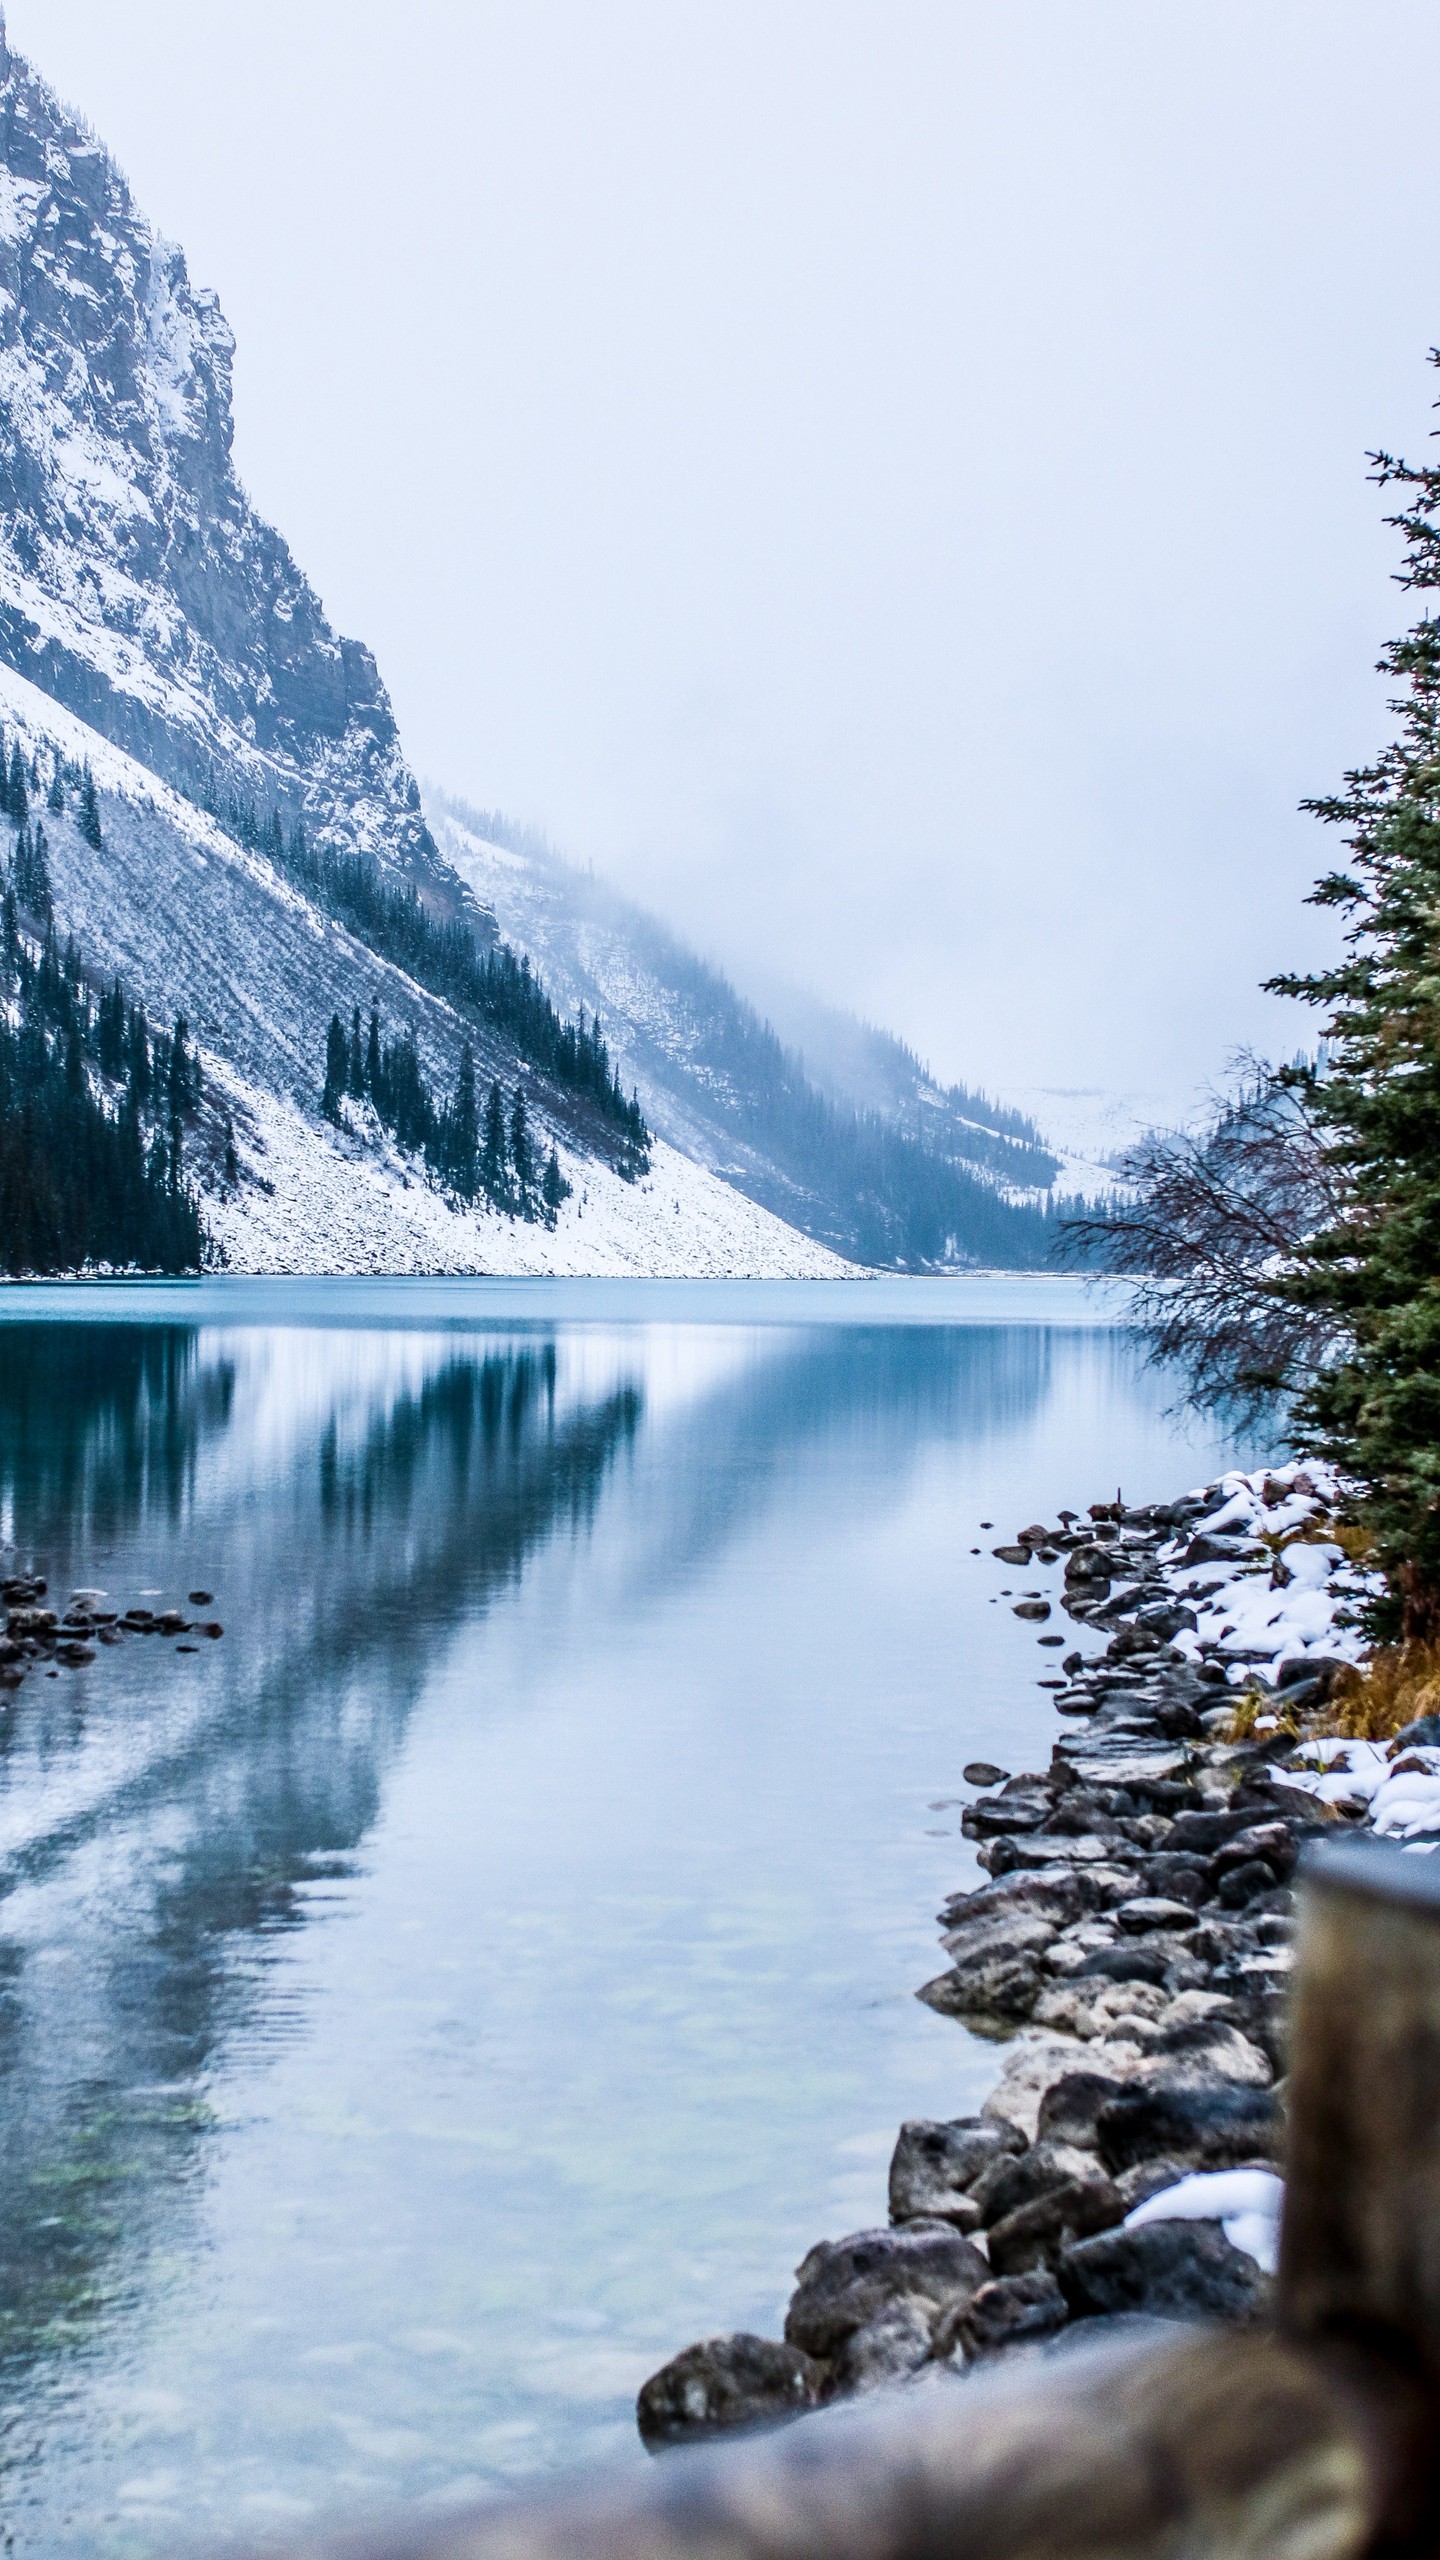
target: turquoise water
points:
(492, 1965)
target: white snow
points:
(330, 1207)
(1277, 1600)
(1246, 2202)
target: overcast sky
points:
(886, 482)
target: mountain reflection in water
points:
(383, 1532)
(492, 1963)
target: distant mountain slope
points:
(858, 1063)
(847, 1166)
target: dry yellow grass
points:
(1397, 1685)
(1249, 1708)
(1358, 1543)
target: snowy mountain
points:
(255, 811)
(137, 584)
(852, 1140)
(256, 858)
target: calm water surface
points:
(493, 1964)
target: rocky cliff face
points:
(138, 586)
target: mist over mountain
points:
(852, 1140)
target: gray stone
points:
(1038, 2234)
(732, 2381)
(1011, 2182)
(895, 2343)
(1000, 1987)
(842, 2285)
(934, 2166)
(1170, 2270)
(1154, 1911)
(1060, 1897)
(983, 1941)
(1209, 2124)
(1007, 2313)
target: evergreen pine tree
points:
(32, 872)
(18, 795)
(184, 1076)
(554, 1188)
(1377, 1411)
(232, 1157)
(355, 1064)
(337, 1068)
(55, 796)
(492, 1152)
(465, 1128)
(521, 1154)
(374, 1068)
(89, 810)
(139, 1061)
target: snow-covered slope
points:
(195, 923)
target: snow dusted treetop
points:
(137, 584)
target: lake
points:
(491, 1965)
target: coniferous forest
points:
(490, 1156)
(94, 1106)
(496, 991)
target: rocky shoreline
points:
(39, 1638)
(1132, 1943)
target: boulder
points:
(1134, 1962)
(1206, 2123)
(1021, 1933)
(1004, 1817)
(1010, 2182)
(1060, 1897)
(1006, 2313)
(843, 2285)
(895, 2343)
(1168, 2270)
(1034, 2065)
(1178, 1874)
(1147, 1911)
(1243, 1885)
(983, 1773)
(1209, 2046)
(999, 1987)
(935, 2165)
(1206, 1832)
(732, 2381)
(1038, 2234)
(1070, 2107)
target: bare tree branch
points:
(1205, 1233)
